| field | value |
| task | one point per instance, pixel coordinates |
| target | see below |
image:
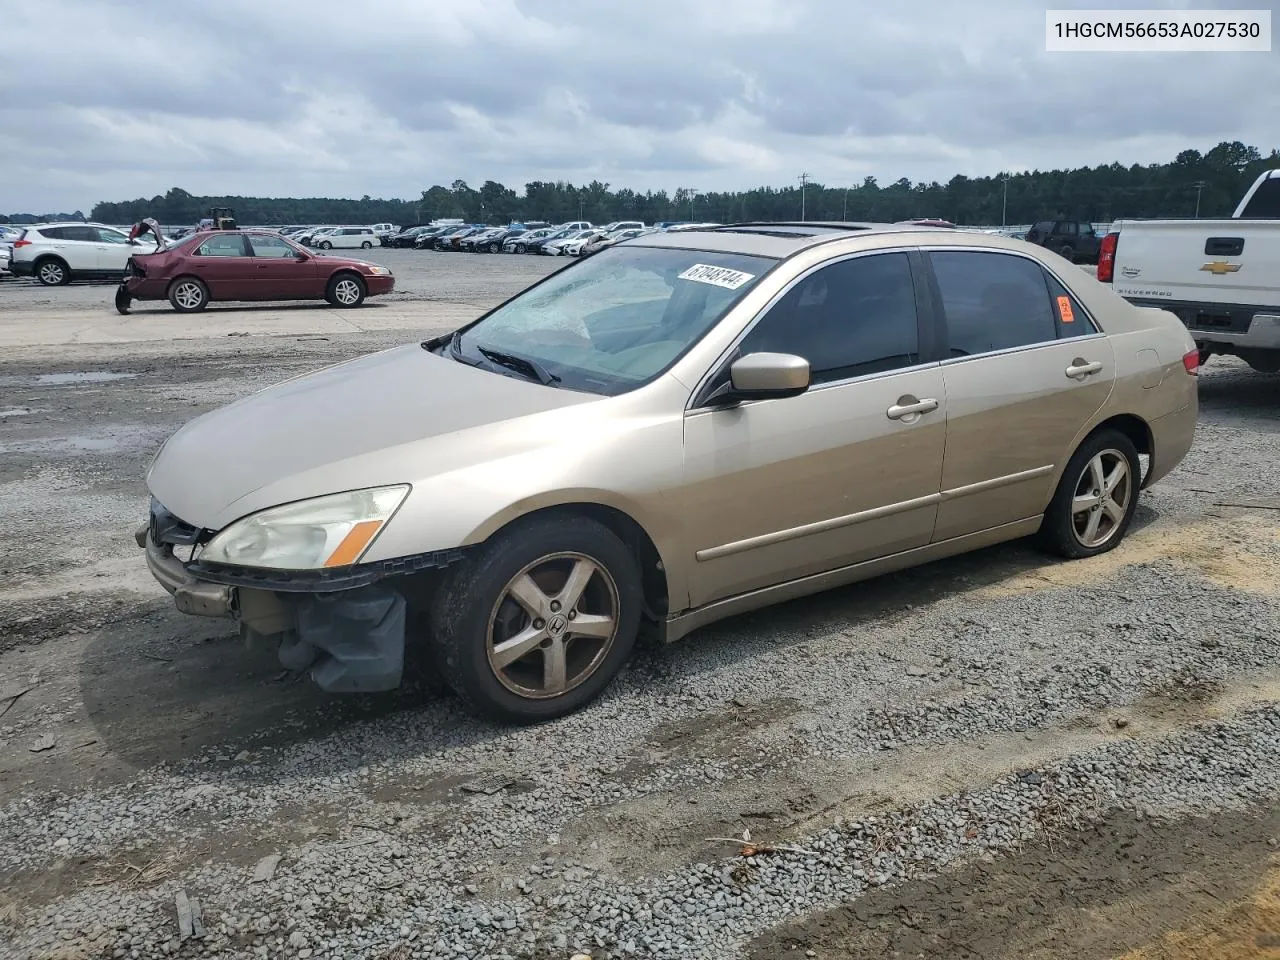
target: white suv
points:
(57, 253)
(346, 237)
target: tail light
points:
(1107, 257)
(1191, 360)
(21, 243)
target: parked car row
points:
(575, 238)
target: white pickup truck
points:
(1221, 277)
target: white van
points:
(347, 237)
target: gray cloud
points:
(386, 97)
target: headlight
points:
(378, 271)
(333, 531)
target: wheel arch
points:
(187, 276)
(654, 569)
(1133, 427)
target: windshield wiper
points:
(530, 368)
(455, 350)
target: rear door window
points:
(223, 245)
(992, 301)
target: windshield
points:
(614, 322)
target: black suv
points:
(1074, 239)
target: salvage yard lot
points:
(998, 755)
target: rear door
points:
(78, 245)
(224, 264)
(113, 249)
(1027, 369)
(278, 274)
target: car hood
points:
(389, 417)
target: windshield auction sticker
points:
(717, 276)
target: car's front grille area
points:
(164, 527)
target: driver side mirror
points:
(302, 257)
(763, 376)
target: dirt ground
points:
(843, 706)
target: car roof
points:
(782, 239)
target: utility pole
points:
(845, 216)
(804, 178)
(1199, 185)
(692, 193)
(1004, 210)
(579, 208)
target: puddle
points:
(89, 376)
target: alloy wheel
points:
(1101, 499)
(52, 274)
(553, 625)
(346, 291)
(188, 295)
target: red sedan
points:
(247, 265)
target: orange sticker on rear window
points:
(1064, 310)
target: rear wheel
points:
(346, 290)
(123, 300)
(366, 245)
(1067, 251)
(325, 245)
(52, 272)
(1096, 497)
(188, 295)
(539, 620)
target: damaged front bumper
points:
(346, 627)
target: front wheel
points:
(1096, 497)
(188, 295)
(346, 290)
(493, 248)
(521, 248)
(1067, 251)
(539, 620)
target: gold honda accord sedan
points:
(686, 426)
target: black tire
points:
(188, 295)
(366, 245)
(471, 591)
(1059, 533)
(325, 245)
(123, 300)
(1067, 251)
(337, 293)
(494, 248)
(52, 271)
(521, 248)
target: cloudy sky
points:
(113, 100)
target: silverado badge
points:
(1219, 267)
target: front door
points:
(1027, 371)
(224, 264)
(849, 470)
(278, 274)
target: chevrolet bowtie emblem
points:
(1219, 267)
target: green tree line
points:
(1214, 180)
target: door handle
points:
(1080, 369)
(909, 408)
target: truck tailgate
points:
(1199, 261)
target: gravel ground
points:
(867, 740)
